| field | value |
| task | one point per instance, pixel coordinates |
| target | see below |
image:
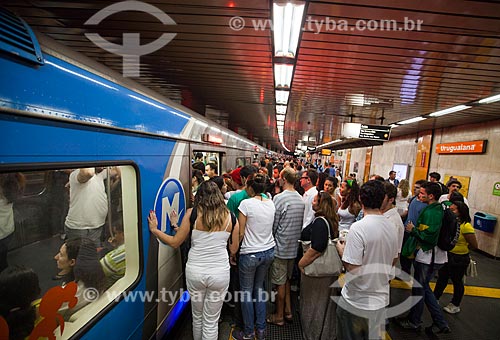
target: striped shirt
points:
(113, 265)
(287, 225)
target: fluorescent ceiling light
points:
(449, 110)
(283, 75)
(329, 143)
(281, 109)
(411, 120)
(489, 100)
(282, 97)
(356, 99)
(278, 124)
(280, 117)
(287, 20)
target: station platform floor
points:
(479, 317)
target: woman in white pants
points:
(207, 268)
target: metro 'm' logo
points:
(170, 196)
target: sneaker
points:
(261, 335)
(434, 329)
(451, 308)
(407, 324)
(240, 335)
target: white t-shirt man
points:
(308, 198)
(372, 245)
(88, 202)
(393, 216)
(444, 197)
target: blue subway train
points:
(60, 112)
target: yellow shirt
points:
(461, 248)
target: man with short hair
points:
(287, 226)
(392, 178)
(414, 209)
(308, 183)
(453, 186)
(369, 253)
(435, 178)
(429, 258)
(211, 170)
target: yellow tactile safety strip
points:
(469, 290)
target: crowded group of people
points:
(246, 230)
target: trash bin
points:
(484, 222)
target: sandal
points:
(288, 317)
(273, 320)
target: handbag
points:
(328, 264)
(472, 268)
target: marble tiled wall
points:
(484, 170)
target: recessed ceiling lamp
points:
(283, 75)
(281, 109)
(287, 20)
(282, 97)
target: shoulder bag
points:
(329, 263)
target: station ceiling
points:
(225, 72)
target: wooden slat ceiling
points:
(228, 75)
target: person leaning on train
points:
(207, 268)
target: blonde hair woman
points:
(207, 268)
(402, 197)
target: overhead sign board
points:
(375, 132)
(477, 146)
(326, 152)
(364, 131)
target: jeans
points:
(207, 293)
(423, 276)
(253, 269)
(454, 270)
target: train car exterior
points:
(67, 112)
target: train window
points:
(242, 161)
(208, 157)
(76, 229)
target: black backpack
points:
(450, 230)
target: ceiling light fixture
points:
(411, 120)
(329, 143)
(489, 100)
(287, 20)
(282, 97)
(281, 109)
(449, 110)
(283, 75)
(280, 117)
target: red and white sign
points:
(477, 146)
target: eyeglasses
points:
(304, 177)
